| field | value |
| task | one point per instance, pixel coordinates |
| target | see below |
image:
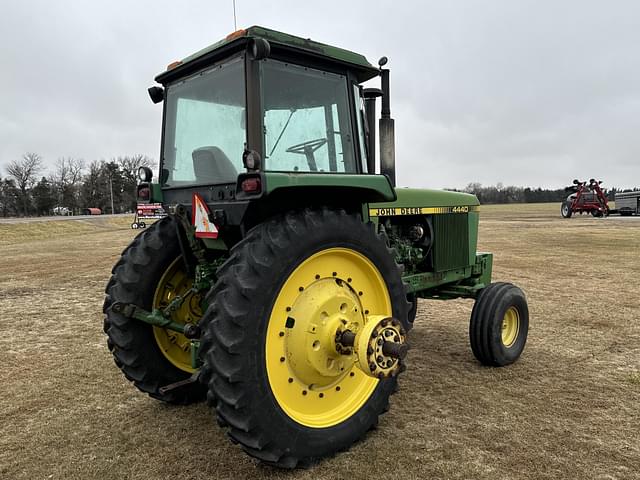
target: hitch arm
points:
(155, 317)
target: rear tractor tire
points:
(279, 378)
(565, 210)
(413, 308)
(150, 274)
(499, 324)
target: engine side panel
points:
(434, 234)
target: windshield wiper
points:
(282, 132)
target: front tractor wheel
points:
(499, 324)
(565, 210)
(305, 336)
(150, 274)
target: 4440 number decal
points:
(395, 211)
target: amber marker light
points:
(237, 34)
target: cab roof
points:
(280, 42)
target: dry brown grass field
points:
(569, 409)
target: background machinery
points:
(284, 281)
(588, 197)
(585, 197)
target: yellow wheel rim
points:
(510, 326)
(314, 384)
(174, 346)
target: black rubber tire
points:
(132, 343)
(240, 305)
(413, 309)
(565, 210)
(485, 327)
(596, 213)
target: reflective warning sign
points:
(200, 217)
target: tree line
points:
(111, 187)
(72, 185)
(510, 194)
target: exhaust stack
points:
(387, 129)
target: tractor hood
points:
(419, 198)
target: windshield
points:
(205, 127)
(307, 126)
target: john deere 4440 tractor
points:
(283, 283)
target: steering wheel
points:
(307, 149)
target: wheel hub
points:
(322, 310)
(381, 346)
(510, 327)
(328, 333)
(174, 345)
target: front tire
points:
(277, 408)
(499, 324)
(565, 210)
(147, 355)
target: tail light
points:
(251, 185)
(144, 193)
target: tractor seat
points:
(211, 165)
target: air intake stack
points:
(387, 128)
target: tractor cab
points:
(261, 101)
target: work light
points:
(145, 174)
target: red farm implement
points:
(585, 197)
(147, 211)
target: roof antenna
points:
(235, 25)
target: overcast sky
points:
(518, 92)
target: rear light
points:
(144, 193)
(251, 185)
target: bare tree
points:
(67, 178)
(129, 166)
(25, 173)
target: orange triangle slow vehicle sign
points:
(205, 228)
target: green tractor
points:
(283, 283)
